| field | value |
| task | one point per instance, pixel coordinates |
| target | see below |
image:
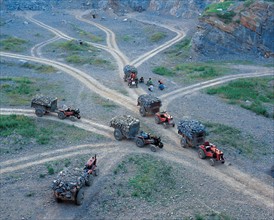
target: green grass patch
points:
(200, 70)
(226, 137)
(12, 44)
(163, 71)
(39, 68)
(156, 37)
(183, 46)
(77, 59)
(221, 11)
(16, 124)
(148, 177)
(217, 7)
(252, 94)
(17, 90)
(74, 46)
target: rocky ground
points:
(191, 189)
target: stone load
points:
(124, 123)
(190, 127)
(43, 100)
(148, 101)
(70, 178)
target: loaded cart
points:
(149, 104)
(68, 186)
(127, 127)
(44, 104)
(192, 132)
(128, 70)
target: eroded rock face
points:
(178, 8)
(250, 31)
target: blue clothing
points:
(161, 86)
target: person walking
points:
(150, 88)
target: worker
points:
(161, 85)
(150, 88)
(149, 82)
(141, 80)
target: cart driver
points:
(207, 145)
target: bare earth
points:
(241, 188)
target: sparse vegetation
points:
(74, 46)
(231, 138)
(163, 71)
(201, 70)
(221, 10)
(156, 37)
(39, 68)
(181, 49)
(252, 94)
(84, 33)
(104, 102)
(18, 90)
(149, 177)
(13, 44)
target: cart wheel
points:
(58, 200)
(96, 172)
(61, 115)
(39, 112)
(212, 161)
(157, 120)
(161, 145)
(153, 148)
(165, 125)
(79, 197)
(201, 154)
(142, 111)
(223, 161)
(118, 134)
(183, 143)
(89, 180)
(139, 142)
(78, 116)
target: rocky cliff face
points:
(178, 8)
(251, 32)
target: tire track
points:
(85, 124)
(36, 50)
(168, 97)
(84, 78)
(117, 55)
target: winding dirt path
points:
(84, 78)
(230, 176)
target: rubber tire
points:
(139, 142)
(153, 148)
(58, 200)
(183, 143)
(89, 181)
(61, 115)
(96, 172)
(79, 197)
(212, 161)
(118, 135)
(157, 120)
(39, 112)
(161, 145)
(201, 154)
(142, 111)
